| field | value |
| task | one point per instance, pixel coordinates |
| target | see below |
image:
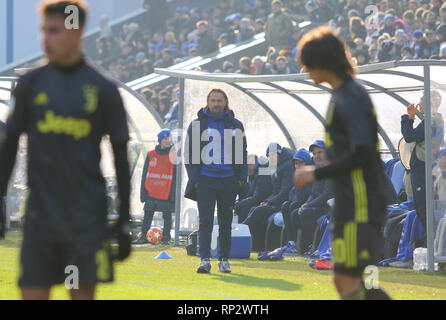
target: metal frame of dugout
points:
(396, 80)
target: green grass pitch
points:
(142, 277)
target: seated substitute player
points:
(355, 166)
(66, 107)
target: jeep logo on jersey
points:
(91, 98)
(77, 128)
(41, 99)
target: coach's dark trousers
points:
(222, 191)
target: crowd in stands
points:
(388, 30)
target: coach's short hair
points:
(322, 49)
(57, 7)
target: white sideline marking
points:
(181, 290)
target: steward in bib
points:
(158, 186)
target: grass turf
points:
(144, 277)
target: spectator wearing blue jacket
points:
(282, 181)
(215, 176)
(259, 188)
(305, 218)
(296, 198)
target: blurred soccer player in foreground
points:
(65, 108)
(355, 166)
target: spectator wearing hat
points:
(259, 26)
(387, 53)
(296, 199)
(400, 42)
(388, 25)
(245, 31)
(279, 158)
(281, 66)
(278, 27)
(409, 19)
(259, 187)
(206, 44)
(430, 20)
(158, 186)
(418, 37)
(357, 28)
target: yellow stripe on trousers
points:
(350, 236)
(360, 196)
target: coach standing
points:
(217, 170)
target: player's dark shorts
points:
(355, 246)
(44, 263)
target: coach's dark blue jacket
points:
(193, 170)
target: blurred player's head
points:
(62, 23)
(324, 56)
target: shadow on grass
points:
(242, 279)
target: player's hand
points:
(304, 176)
(122, 234)
(2, 220)
(412, 111)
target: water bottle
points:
(418, 262)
